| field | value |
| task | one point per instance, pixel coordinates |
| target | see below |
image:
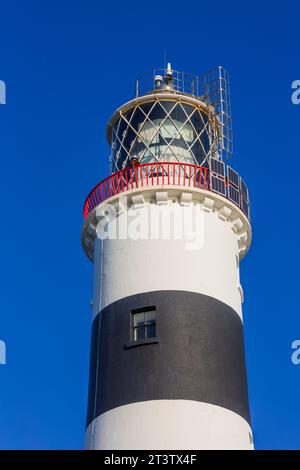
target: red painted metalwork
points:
(147, 175)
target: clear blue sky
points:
(67, 65)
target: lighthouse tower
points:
(166, 232)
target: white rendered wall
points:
(169, 424)
(206, 265)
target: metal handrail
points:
(182, 82)
(145, 175)
(164, 173)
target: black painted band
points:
(199, 354)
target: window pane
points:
(168, 130)
(139, 333)
(148, 133)
(139, 319)
(151, 331)
(187, 133)
(150, 317)
(144, 324)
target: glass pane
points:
(151, 331)
(139, 333)
(148, 133)
(157, 113)
(150, 317)
(168, 130)
(178, 114)
(167, 106)
(199, 152)
(136, 119)
(187, 132)
(146, 107)
(199, 120)
(188, 109)
(139, 319)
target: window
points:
(144, 323)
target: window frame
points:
(144, 326)
(137, 342)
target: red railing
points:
(145, 175)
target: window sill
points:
(142, 342)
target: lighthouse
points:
(166, 232)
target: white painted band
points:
(169, 424)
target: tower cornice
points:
(209, 202)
